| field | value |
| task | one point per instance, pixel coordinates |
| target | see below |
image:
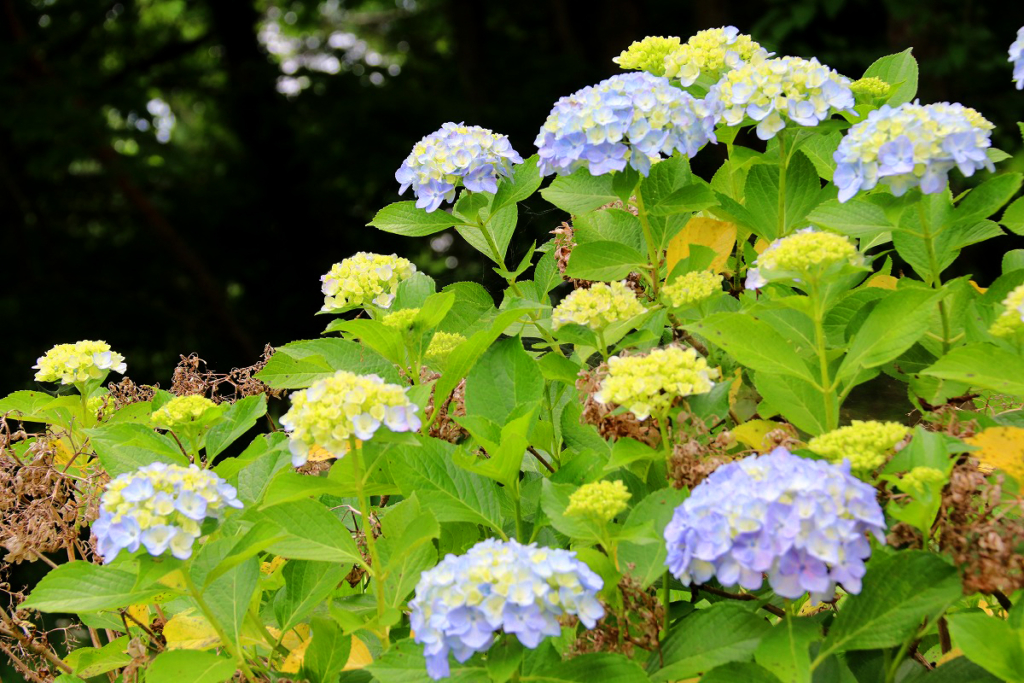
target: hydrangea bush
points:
(641, 460)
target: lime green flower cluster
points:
(78, 362)
(806, 255)
(181, 411)
(364, 278)
(692, 288)
(602, 500)
(866, 444)
(711, 53)
(870, 88)
(650, 384)
(597, 307)
(401, 320)
(1011, 321)
(648, 54)
(344, 405)
(441, 346)
(917, 481)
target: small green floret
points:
(917, 481)
(401, 320)
(870, 87)
(866, 444)
(602, 500)
(692, 288)
(648, 54)
(182, 410)
(597, 307)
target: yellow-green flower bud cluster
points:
(918, 480)
(597, 307)
(602, 500)
(344, 405)
(648, 54)
(78, 362)
(441, 346)
(870, 88)
(803, 255)
(866, 444)
(364, 279)
(712, 53)
(182, 410)
(692, 288)
(401, 320)
(650, 384)
(1011, 320)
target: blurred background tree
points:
(175, 175)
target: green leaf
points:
(604, 261)
(695, 196)
(127, 447)
(899, 320)
(987, 198)
(740, 671)
(524, 181)
(406, 548)
(505, 443)
(723, 633)
(580, 192)
(786, 649)
(554, 499)
(501, 224)
(504, 659)
(589, 668)
(803, 193)
(404, 663)
(258, 538)
(403, 218)
(797, 400)
(609, 225)
(899, 593)
(471, 306)
(327, 652)
(25, 405)
(989, 642)
(299, 364)
(900, 72)
(85, 587)
(175, 666)
(504, 378)
(648, 559)
(957, 670)
(984, 366)
(239, 418)
(228, 597)
(387, 341)
(451, 493)
(93, 661)
(314, 533)
(819, 149)
(307, 583)
(558, 368)
(413, 291)
(856, 218)
(753, 343)
(1013, 217)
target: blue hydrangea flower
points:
(912, 145)
(626, 119)
(470, 155)
(802, 522)
(499, 585)
(161, 508)
(1017, 57)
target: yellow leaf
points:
(981, 290)
(1001, 448)
(140, 613)
(760, 245)
(319, 454)
(752, 433)
(186, 632)
(358, 656)
(63, 452)
(949, 656)
(717, 235)
(881, 281)
(296, 641)
(271, 567)
(175, 580)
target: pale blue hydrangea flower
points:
(470, 155)
(912, 145)
(161, 508)
(772, 91)
(499, 585)
(1017, 57)
(802, 522)
(626, 119)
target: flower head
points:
(650, 384)
(441, 346)
(78, 362)
(911, 145)
(470, 155)
(648, 54)
(866, 445)
(626, 119)
(182, 410)
(1017, 57)
(597, 307)
(802, 522)
(806, 255)
(499, 585)
(774, 91)
(343, 405)
(400, 320)
(161, 508)
(870, 88)
(364, 279)
(711, 53)
(602, 500)
(918, 480)
(1011, 320)
(692, 288)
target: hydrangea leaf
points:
(327, 653)
(403, 218)
(984, 366)
(989, 642)
(786, 650)
(174, 666)
(307, 583)
(86, 587)
(900, 72)
(604, 261)
(719, 236)
(239, 418)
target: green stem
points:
(831, 418)
(519, 511)
(894, 665)
(934, 277)
(652, 252)
(197, 595)
(666, 598)
(783, 162)
(371, 544)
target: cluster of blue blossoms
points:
(521, 589)
(457, 153)
(160, 507)
(1017, 58)
(630, 118)
(912, 145)
(802, 522)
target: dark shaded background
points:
(290, 119)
